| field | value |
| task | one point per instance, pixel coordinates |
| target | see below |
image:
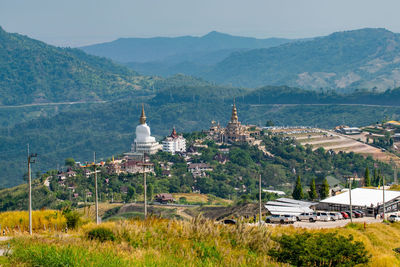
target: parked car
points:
(394, 218)
(307, 216)
(281, 219)
(323, 216)
(345, 215)
(355, 214)
(335, 216)
(361, 213)
(229, 221)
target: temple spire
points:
(234, 117)
(143, 116)
(174, 134)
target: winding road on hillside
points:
(54, 104)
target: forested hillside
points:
(34, 72)
(366, 58)
(108, 128)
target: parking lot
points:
(330, 224)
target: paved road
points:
(54, 104)
(322, 225)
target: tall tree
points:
(298, 190)
(376, 178)
(367, 178)
(324, 193)
(313, 191)
(130, 194)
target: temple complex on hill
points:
(234, 131)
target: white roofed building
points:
(288, 206)
(174, 143)
(366, 199)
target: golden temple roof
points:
(143, 116)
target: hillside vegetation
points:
(235, 179)
(34, 72)
(366, 58)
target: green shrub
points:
(320, 249)
(73, 219)
(102, 234)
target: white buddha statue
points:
(144, 142)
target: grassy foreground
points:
(201, 242)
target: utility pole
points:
(95, 186)
(395, 174)
(351, 206)
(144, 164)
(383, 190)
(30, 160)
(259, 198)
(145, 191)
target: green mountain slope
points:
(366, 58)
(34, 72)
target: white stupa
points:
(144, 143)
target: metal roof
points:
(363, 197)
(288, 210)
(297, 202)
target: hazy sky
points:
(80, 22)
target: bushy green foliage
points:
(324, 191)
(101, 234)
(312, 193)
(73, 218)
(319, 249)
(367, 177)
(298, 190)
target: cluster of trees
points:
(312, 192)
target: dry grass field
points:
(199, 242)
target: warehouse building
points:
(368, 200)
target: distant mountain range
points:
(178, 49)
(171, 55)
(344, 61)
(34, 72)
